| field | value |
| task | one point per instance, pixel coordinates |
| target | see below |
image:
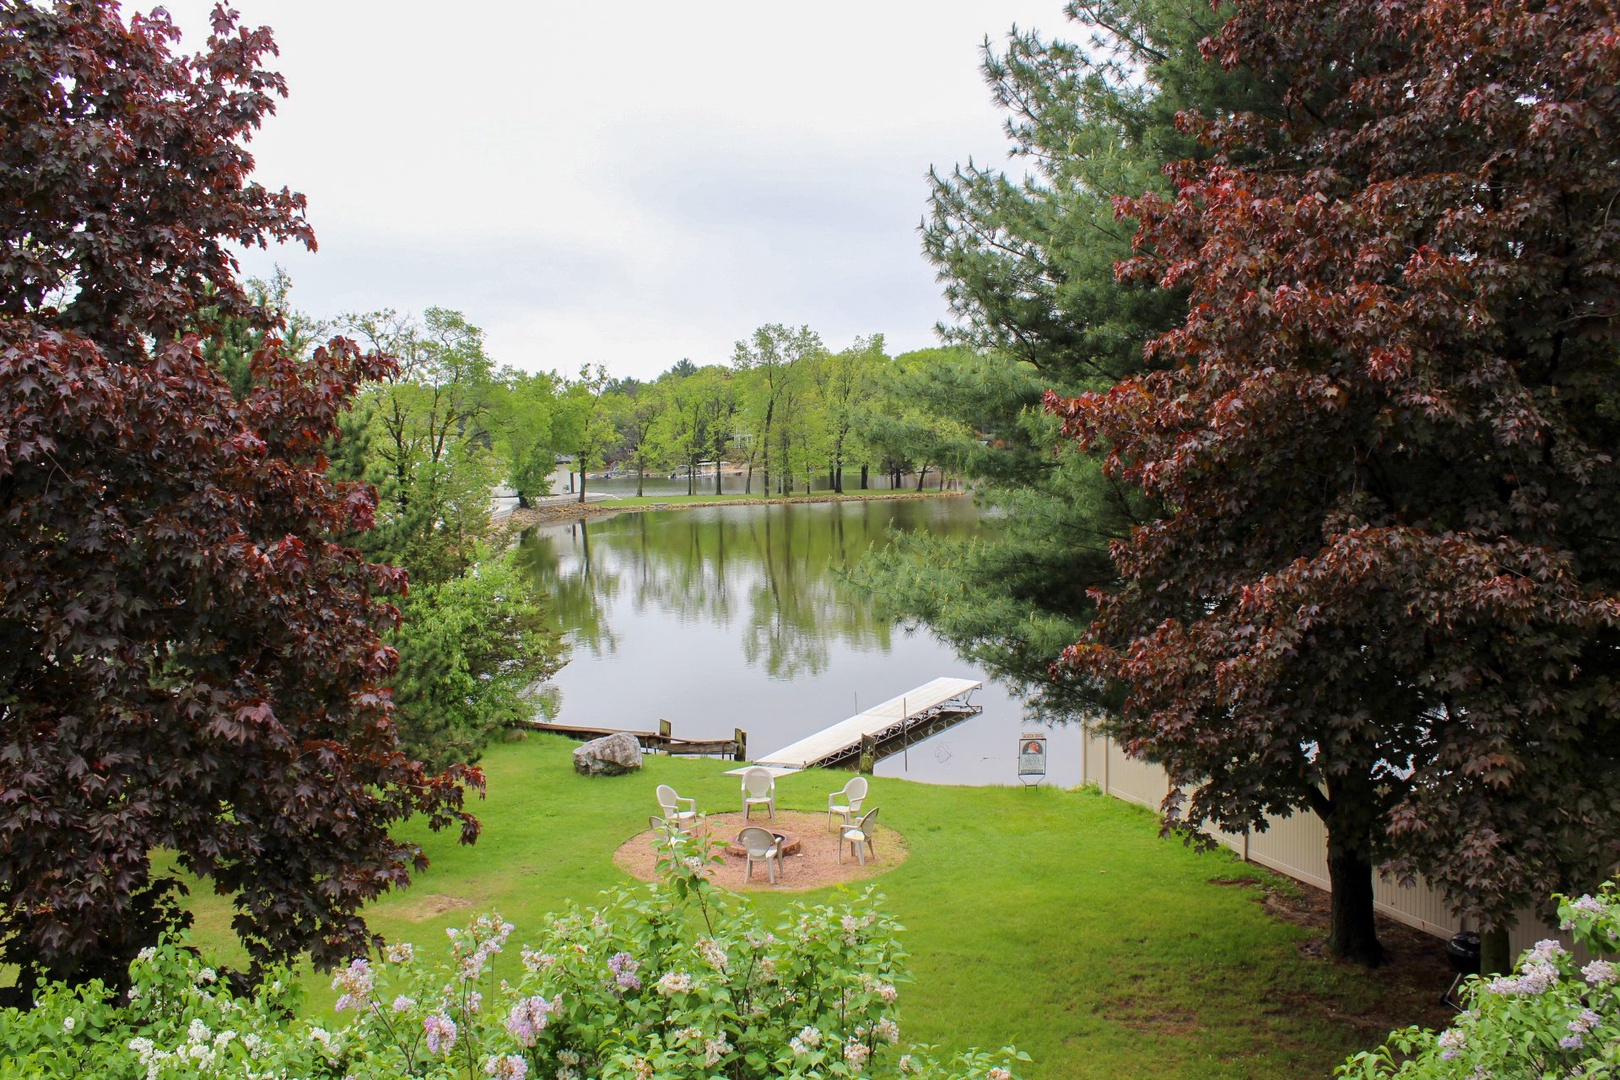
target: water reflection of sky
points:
(735, 617)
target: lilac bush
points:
(675, 979)
(1552, 1017)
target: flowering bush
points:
(1553, 1017)
(677, 979)
(178, 1019)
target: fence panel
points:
(1295, 846)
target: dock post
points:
(741, 737)
(868, 754)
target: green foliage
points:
(659, 983)
(775, 363)
(429, 442)
(1028, 268)
(178, 1020)
(1554, 1017)
(231, 341)
(472, 649)
(525, 417)
(473, 640)
(584, 421)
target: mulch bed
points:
(1414, 972)
(814, 866)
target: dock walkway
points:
(942, 699)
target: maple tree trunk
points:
(1495, 953)
(1352, 932)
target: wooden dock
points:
(661, 741)
(881, 730)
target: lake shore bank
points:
(552, 512)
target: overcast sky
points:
(628, 182)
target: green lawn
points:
(1054, 919)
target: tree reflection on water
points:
(770, 574)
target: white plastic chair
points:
(852, 794)
(858, 836)
(758, 789)
(671, 804)
(760, 846)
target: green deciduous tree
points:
(430, 443)
(583, 424)
(772, 362)
(525, 418)
(844, 380)
(641, 420)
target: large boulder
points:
(611, 755)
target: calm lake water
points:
(736, 617)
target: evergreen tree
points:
(1028, 267)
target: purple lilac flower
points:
(1585, 1022)
(1536, 977)
(1598, 972)
(1571, 1042)
(624, 968)
(528, 1018)
(441, 1032)
(356, 982)
(506, 1067)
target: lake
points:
(718, 618)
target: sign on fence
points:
(1031, 758)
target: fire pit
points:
(790, 844)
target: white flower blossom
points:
(676, 982)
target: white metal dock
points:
(933, 701)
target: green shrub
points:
(1553, 1017)
(676, 979)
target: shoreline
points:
(529, 517)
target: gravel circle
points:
(815, 867)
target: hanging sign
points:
(1031, 756)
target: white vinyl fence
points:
(1296, 846)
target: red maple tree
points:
(190, 660)
(1385, 585)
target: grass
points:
(1058, 920)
